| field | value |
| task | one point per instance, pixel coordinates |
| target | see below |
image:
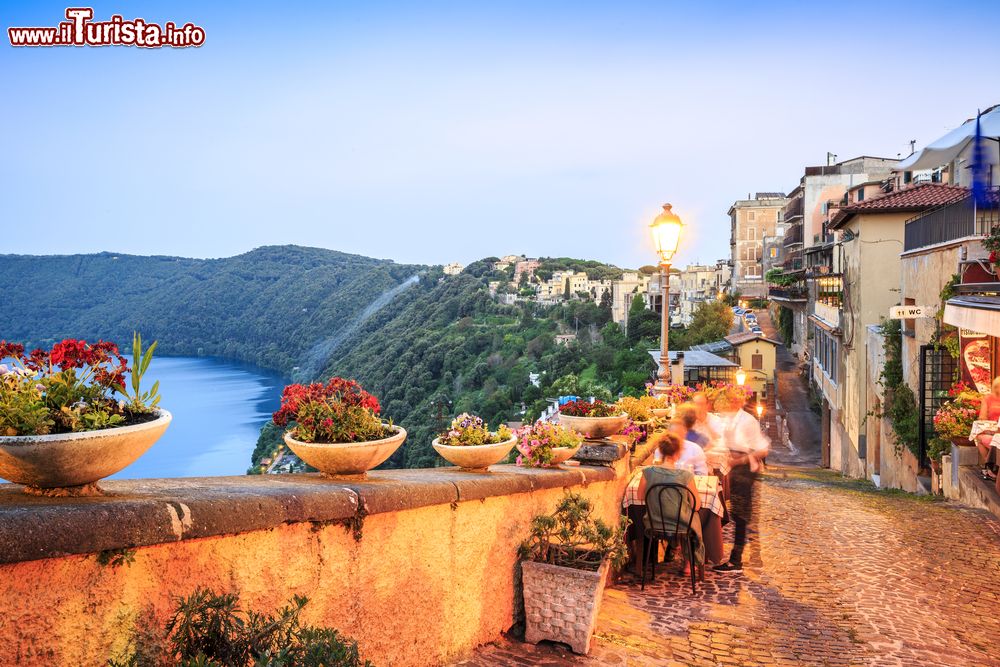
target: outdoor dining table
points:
(711, 512)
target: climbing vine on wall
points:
(900, 403)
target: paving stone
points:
(837, 573)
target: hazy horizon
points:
(444, 132)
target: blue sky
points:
(433, 132)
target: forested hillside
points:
(278, 306)
(447, 347)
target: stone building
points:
(750, 221)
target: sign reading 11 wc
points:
(911, 312)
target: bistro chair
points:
(670, 529)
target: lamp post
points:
(666, 230)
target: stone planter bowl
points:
(347, 458)
(64, 460)
(559, 454)
(474, 457)
(594, 427)
(561, 603)
(660, 413)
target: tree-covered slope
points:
(279, 306)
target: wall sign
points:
(911, 312)
(976, 359)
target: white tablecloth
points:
(708, 489)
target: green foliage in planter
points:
(571, 537)
(900, 403)
(779, 278)
(213, 630)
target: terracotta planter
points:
(348, 458)
(660, 413)
(559, 454)
(594, 427)
(474, 457)
(72, 463)
(561, 603)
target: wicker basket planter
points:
(561, 603)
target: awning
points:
(951, 145)
(975, 313)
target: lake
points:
(218, 407)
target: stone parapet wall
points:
(417, 565)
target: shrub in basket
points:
(470, 444)
(953, 421)
(564, 567)
(68, 417)
(544, 444)
(592, 419)
(335, 427)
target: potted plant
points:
(992, 243)
(544, 444)
(953, 422)
(639, 410)
(662, 405)
(67, 419)
(470, 444)
(564, 567)
(337, 428)
(592, 419)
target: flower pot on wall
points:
(559, 454)
(474, 457)
(72, 463)
(348, 458)
(561, 603)
(594, 427)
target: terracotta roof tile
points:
(918, 197)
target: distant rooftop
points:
(916, 198)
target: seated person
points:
(692, 456)
(989, 410)
(669, 446)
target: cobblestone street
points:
(838, 574)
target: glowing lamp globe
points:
(741, 377)
(760, 410)
(666, 229)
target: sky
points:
(432, 132)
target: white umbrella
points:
(951, 145)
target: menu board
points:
(976, 359)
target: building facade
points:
(751, 220)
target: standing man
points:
(742, 437)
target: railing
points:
(950, 222)
(793, 235)
(789, 293)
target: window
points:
(861, 194)
(752, 215)
(757, 362)
(751, 233)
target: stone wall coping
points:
(144, 512)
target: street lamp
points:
(741, 377)
(666, 230)
(760, 411)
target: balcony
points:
(793, 236)
(828, 313)
(788, 293)
(951, 222)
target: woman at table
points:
(692, 455)
(989, 410)
(667, 472)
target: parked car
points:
(738, 311)
(756, 330)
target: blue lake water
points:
(218, 408)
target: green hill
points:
(278, 306)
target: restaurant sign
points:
(976, 359)
(911, 312)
